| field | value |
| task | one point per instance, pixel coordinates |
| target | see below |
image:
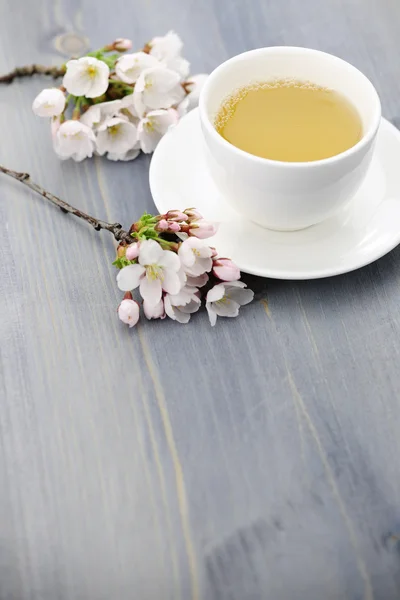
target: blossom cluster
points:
(116, 103)
(173, 267)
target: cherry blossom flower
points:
(153, 126)
(96, 114)
(117, 136)
(170, 226)
(49, 103)
(132, 251)
(203, 229)
(225, 299)
(86, 76)
(128, 311)
(167, 50)
(194, 85)
(130, 66)
(225, 269)
(180, 306)
(154, 312)
(157, 271)
(195, 256)
(74, 140)
(157, 88)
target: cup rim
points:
(364, 141)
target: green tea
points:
(290, 121)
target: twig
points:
(30, 70)
(115, 228)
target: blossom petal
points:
(242, 297)
(150, 252)
(150, 290)
(212, 315)
(129, 277)
(171, 283)
(191, 307)
(228, 308)
(170, 260)
(216, 293)
(154, 312)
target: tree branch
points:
(30, 70)
(115, 228)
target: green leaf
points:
(122, 262)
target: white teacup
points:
(288, 195)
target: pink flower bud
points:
(154, 312)
(193, 213)
(128, 312)
(122, 44)
(203, 229)
(132, 251)
(226, 270)
(175, 227)
(176, 215)
(162, 225)
(213, 252)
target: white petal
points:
(130, 66)
(229, 308)
(186, 254)
(240, 296)
(130, 155)
(180, 316)
(197, 281)
(167, 46)
(201, 265)
(191, 307)
(212, 315)
(168, 308)
(171, 283)
(148, 139)
(179, 65)
(162, 119)
(154, 312)
(92, 116)
(216, 293)
(238, 284)
(150, 290)
(150, 252)
(129, 277)
(170, 260)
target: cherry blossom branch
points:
(115, 228)
(29, 70)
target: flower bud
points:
(122, 44)
(176, 215)
(225, 269)
(128, 310)
(132, 251)
(121, 250)
(193, 213)
(202, 229)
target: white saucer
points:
(363, 232)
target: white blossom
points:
(167, 49)
(225, 299)
(180, 306)
(195, 256)
(157, 88)
(157, 270)
(116, 135)
(86, 76)
(96, 114)
(153, 126)
(74, 140)
(49, 103)
(129, 66)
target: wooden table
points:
(256, 460)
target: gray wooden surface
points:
(256, 460)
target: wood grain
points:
(256, 460)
